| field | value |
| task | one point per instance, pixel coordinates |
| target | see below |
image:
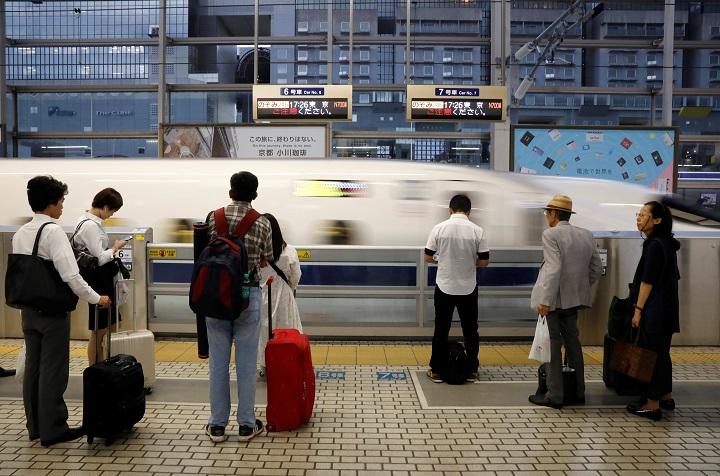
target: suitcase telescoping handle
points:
(118, 284)
(269, 288)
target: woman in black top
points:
(657, 310)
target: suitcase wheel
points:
(148, 390)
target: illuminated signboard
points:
(456, 103)
(637, 155)
(302, 103)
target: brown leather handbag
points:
(630, 359)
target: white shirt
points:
(93, 237)
(456, 243)
(54, 246)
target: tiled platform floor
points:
(367, 426)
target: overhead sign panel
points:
(455, 103)
(301, 103)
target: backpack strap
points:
(221, 224)
(247, 221)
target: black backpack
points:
(456, 372)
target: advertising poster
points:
(638, 156)
(244, 142)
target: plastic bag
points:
(540, 349)
(20, 365)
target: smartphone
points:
(127, 238)
(656, 157)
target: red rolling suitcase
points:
(290, 376)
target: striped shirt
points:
(258, 240)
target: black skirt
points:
(102, 280)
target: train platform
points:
(376, 413)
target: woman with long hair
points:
(657, 309)
(285, 270)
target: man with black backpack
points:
(459, 246)
(240, 244)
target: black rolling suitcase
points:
(569, 382)
(113, 396)
(622, 384)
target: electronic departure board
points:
(302, 103)
(456, 103)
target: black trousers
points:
(661, 382)
(467, 306)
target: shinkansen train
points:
(318, 202)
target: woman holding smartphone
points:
(90, 236)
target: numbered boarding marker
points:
(391, 376)
(456, 103)
(329, 375)
(302, 104)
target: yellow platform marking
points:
(190, 355)
(78, 352)
(593, 357)
(10, 349)
(171, 351)
(422, 353)
(342, 355)
(401, 355)
(515, 354)
(489, 355)
(371, 355)
(319, 354)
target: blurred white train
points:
(354, 202)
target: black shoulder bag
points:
(33, 282)
(87, 263)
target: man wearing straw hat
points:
(571, 265)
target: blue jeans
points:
(244, 331)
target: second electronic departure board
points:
(302, 103)
(456, 103)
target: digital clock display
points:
(302, 108)
(453, 109)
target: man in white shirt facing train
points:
(459, 246)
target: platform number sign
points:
(452, 103)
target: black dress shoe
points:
(544, 401)
(579, 401)
(640, 411)
(69, 435)
(6, 373)
(668, 404)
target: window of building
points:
(302, 27)
(428, 55)
(364, 98)
(323, 27)
(447, 71)
(636, 29)
(631, 59)
(343, 71)
(652, 59)
(365, 26)
(549, 73)
(302, 81)
(344, 27)
(630, 74)
(343, 54)
(302, 70)
(615, 29)
(323, 55)
(613, 58)
(322, 69)
(612, 73)
(302, 55)
(715, 58)
(447, 56)
(467, 56)
(364, 55)
(364, 81)
(282, 68)
(467, 70)
(282, 53)
(714, 32)
(427, 70)
(364, 70)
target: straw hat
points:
(560, 202)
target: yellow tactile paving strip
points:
(389, 354)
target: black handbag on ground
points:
(33, 282)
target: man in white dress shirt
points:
(47, 335)
(459, 246)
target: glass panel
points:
(707, 198)
(697, 114)
(357, 310)
(467, 152)
(171, 309)
(210, 107)
(699, 157)
(584, 110)
(86, 148)
(87, 112)
(493, 311)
